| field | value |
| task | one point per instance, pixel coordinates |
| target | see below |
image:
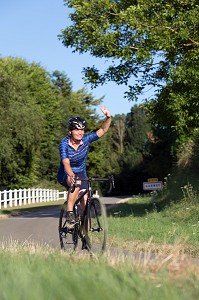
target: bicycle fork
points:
(99, 228)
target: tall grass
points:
(150, 256)
(31, 272)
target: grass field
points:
(135, 223)
(37, 273)
(168, 234)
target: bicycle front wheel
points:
(95, 224)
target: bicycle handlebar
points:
(89, 179)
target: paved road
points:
(39, 227)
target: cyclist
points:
(73, 154)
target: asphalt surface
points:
(39, 227)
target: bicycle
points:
(91, 226)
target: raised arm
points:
(106, 124)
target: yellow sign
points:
(152, 179)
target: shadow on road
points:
(113, 209)
(38, 212)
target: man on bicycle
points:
(73, 154)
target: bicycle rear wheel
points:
(68, 237)
(95, 226)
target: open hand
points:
(105, 111)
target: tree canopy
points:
(29, 121)
(132, 34)
(153, 42)
(34, 109)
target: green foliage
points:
(129, 141)
(183, 181)
(154, 42)
(137, 128)
(158, 156)
(118, 131)
(131, 34)
(34, 111)
(21, 122)
(176, 106)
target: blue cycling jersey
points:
(77, 157)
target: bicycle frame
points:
(89, 192)
(90, 221)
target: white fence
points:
(21, 197)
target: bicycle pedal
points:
(64, 230)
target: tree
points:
(154, 42)
(29, 122)
(62, 83)
(20, 125)
(135, 142)
(128, 149)
(118, 133)
(137, 127)
(176, 106)
(131, 33)
(34, 109)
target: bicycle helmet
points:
(76, 123)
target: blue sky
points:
(29, 29)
